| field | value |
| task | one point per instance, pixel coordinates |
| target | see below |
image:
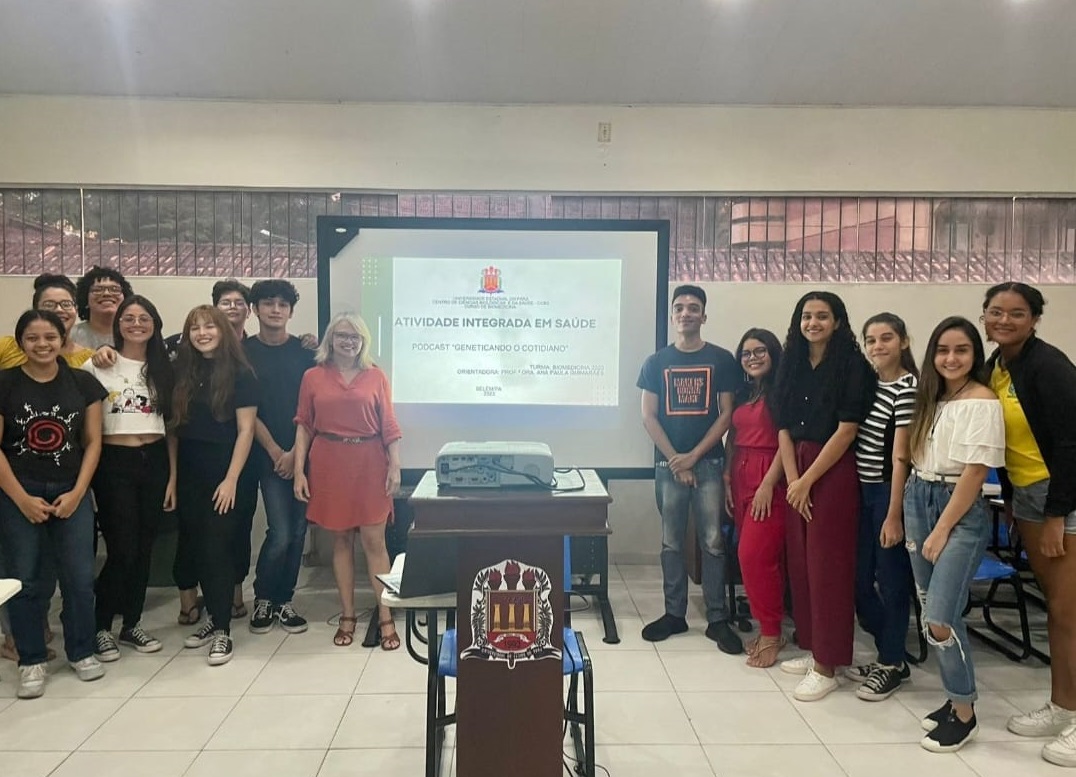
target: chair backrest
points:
(567, 563)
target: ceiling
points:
(760, 52)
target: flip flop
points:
(191, 616)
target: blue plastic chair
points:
(575, 664)
(996, 572)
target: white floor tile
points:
(898, 761)
(28, 764)
(393, 762)
(1009, 759)
(641, 719)
(634, 670)
(842, 718)
(727, 717)
(247, 644)
(191, 675)
(629, 627)
(256, 763)
(772, 761)
(714, 671)
(297, 674)
(53, 724)
(122, 679)
(130, 764)
(172, 723)
(1011, 676)
(992, 710)
(650, 760)
(318, 638)
(280, 723)
(391, 672)
(383, 721)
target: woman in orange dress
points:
(346, 425)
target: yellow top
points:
(1023, 460)
(12, 356)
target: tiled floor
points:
(297, 706)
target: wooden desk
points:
(509, 702)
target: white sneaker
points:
(799, 665)
(32, 681)
(88, 668)
(1047, 721)
(814, 686)
(1062, 751)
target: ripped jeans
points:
(942, 587)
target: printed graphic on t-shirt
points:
(688, 390)
(48, 434)
(129, 401)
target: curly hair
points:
(191, 367)
(95, 274)
(46, 281)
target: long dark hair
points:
(225, 366)
(932, 385)
(842, 351)
(896, 323)
(160, 378)
(766, 383)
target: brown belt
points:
(347, 440)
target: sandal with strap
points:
(766, 652)
(191, 615)
(389, 641)
(344, 637)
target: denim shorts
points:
(1028, 503)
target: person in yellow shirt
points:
(55, 293)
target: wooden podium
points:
(510, 614)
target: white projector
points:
(494, 464)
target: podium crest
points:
(511, 615)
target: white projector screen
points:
(495, 329)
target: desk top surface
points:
(593, 490)
(8, 588)
(434, 602)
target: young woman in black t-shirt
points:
(214, 410)
(824, 389)
(50, 418)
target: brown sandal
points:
(765, 653)
(390, 641)
(344, 637)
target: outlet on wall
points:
(605, 131)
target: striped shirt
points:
(893, 406)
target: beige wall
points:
(107, 141)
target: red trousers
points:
(762, 543)
(822, 560)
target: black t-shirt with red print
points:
(688, 385)
(43, 422)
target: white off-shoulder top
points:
(965, 431)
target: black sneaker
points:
(138, 639)
(105, 647)
(861, 672)
(728, 641)
(931, 721)
(880, 684)
(291, 621)
(951, 734)
(261, 620)
(220, 649)
(201, 637)
(663, 628)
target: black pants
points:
(129, 486)
(246, 502)
(205, 553)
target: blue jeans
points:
(883, 578)
(281, 553)
(27, 548)
(942, 587)
(707, 498)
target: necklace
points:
(938, 409)
(958, 392)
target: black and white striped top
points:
(893, 406)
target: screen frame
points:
(335, 232)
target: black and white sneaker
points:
(951, 734)
(291, 621)
(220, 649)
(138, 639)
(931, 721)
(261, 619)
(882, 683)
(105, 648)
(202, 637)
(861, 672)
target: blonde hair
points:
(325, 348)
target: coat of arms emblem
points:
(511, 616)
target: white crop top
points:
(129, 408)
(967, 431)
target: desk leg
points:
(372, 631)
(435, 700)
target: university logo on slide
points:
(491, 281)
(511, 616)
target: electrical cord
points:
(553, 487)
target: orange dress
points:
(347, 480)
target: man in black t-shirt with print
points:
(280, 361)
(687, 407)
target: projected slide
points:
(534, 331)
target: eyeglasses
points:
(344, 337)
(103, 291)
(143, 320)
(1016, 316)
(49, 304)
(225, 304)
(754, 353)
